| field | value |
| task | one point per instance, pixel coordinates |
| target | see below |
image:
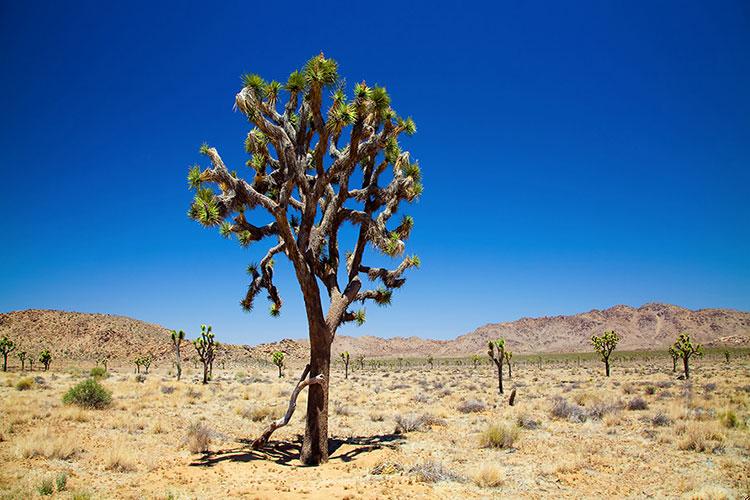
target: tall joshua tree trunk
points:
(315, 445)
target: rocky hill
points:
(652, 326)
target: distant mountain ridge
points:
(651, 326)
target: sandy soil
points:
(690, 441)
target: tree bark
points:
(606, 366)
(686, 366)
(315, 444)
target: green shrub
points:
(46, 488)
(88, 394)
(61, 481)
(25, 384)
(729, 419)
(99, 372)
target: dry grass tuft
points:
(499, 435)
(489, 476)
(120, 458)
(431, 471)
(198, 438)
(45, 444)
(700, 436)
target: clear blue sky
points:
(576, 155)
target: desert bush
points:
(342, 410)
(198, 438)
(729, 419)
(61, 481)
(489, 476)
(88, 394)
(637, 403)
(701, 437)
(421, 398)
(140, 378)
(25, 384)
(563, 409)
(167, 389)
(710, 387)
(385, 467)
(650, 390)
(98, 372)
(431, 471)
(599, 410)
(46, 487)
(377, 417)
(499, 435)
(120, 459)
(526, 422)
(472, 406)
(412, 422)
(259, 413)
(660, 420)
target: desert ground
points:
(397, 432)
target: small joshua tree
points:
(675, 356)
(138, 361)
(278, 360)
(361, 361)
(475, 360)
(146, 362)
(6, 347)
(177, 338)
(430, 361)
(685, 350)
(496, 352)
(726, 356)
(604, 345)
(205, 345)
(104, 361)
(22, 358)
(45, 358)
(345, 360)
(508, 357)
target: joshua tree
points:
(177, 338)
(430, 361)
(45, 358)
(205, 345)
(726, 356)
(138, 361)
(345, 360)
(685, 349)
(22, 358)
(604, 345)
(310, 198)
(675, 356)
(6, 347)
(146, 362)
(361, 361)
(104, 361)
(496, 352)
(475, 360)
(31, 363)
(508, 357)
(278, 360)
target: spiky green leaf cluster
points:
(194, 177)
(204, 208)
(360, 317)
(685, 347)
(321, 71)
(274, 310)
(605, 343)
(412, 170)
(256, 83)
(383, 296)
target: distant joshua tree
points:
(45, 358)
(675, 356)
(496, 352)
(726, 356)
(6, 347)
(146, 362)
(278, 360)
(177, 338)
(604, 345)
(475, 360)
(319, 160)
(205, 345)
(508, 357)
(430, 361)
(685, 350)
(361, 361)
(22, 358)
(104, 361)
(345, 360)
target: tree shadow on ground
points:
(286, 451)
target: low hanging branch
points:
(262, 441)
